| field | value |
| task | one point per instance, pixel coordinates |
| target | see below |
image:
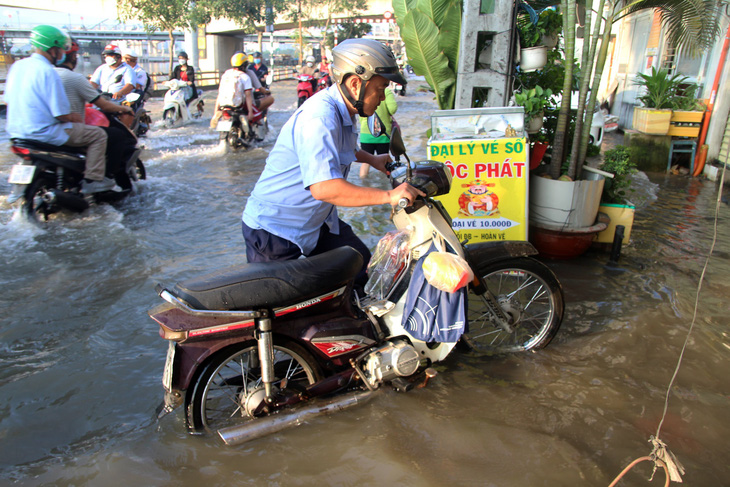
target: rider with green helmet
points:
(38, 108)
(292, 210)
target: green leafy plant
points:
(550, 22)
(685, 99)
(661, 89)
(534, 100)
(618, 162)
(530, 34)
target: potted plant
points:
(614, 199)
(533, 54)
(687, 113)
(550, 23)
(660, 90)
(534, 100)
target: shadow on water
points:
(80, 361)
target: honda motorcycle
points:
(49, 178)
(256, 348)
(175, 112)
(304, 88)
(235, 129)
(140, 123)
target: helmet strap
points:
(358, 104)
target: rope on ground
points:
(660, 454)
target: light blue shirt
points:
(35, 97)
(111, 80)
(316, 144)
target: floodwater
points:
(81, 362)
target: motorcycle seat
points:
(268, 285)
(42, 146)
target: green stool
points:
(683, 146)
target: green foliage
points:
(685, 99)
(431, 31)
(661, 89)
(550, 22)
(534, 100)
(618, 162)
(347, 30)
(530, 34)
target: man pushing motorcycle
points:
(292, 209)
(38, 108)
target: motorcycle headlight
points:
(431, 177)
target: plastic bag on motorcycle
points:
(432, 315)
(387, 263)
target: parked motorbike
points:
(49, 178)
(175, 111)
(249, 344)
(236, 132)
(304, 88)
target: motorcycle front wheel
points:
(530, 296)
(302, 99)
(169, 117)
(230, 390)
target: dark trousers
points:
(262, 246)
(383, 148)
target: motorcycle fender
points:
(17, 193)
(488, 252)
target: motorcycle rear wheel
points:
(532, 298)
(34, 205)
(221, 393)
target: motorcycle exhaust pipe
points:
(258, 428)
(66, 200)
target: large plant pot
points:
(651, 120)
(535, 123)
(619, 215)
(558, 243)
(533, 58)
(565, 204)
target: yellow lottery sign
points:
(488, 197)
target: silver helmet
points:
(364, 58)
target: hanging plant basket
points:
(535, 123)
(533, 58)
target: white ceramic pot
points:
(533, 58)
(535, 123)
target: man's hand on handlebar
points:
(404, 192)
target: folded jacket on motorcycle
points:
(271, 284)
(432, 315)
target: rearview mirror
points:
(269, 79)
(132, 97)
(375, 125)
(397, 147)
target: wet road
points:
(80, 361)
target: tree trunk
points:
(561, 131)
(172, 50)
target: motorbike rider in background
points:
(292, 210)
(235, 88)
(260, 69)
(143, 79)
(185, 72)
(120, 142)
(324, 70)
(309, 69)
(38, 108)
(114, 76)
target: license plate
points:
(169, 364)
(224, 126)
(21, 174)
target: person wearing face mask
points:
(259, 68)
(38, 108)
(114, 76)
(311, 70)
(185, 72)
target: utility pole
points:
(301, 44)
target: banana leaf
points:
(401, 8)
(450, 35)
(435, 9)
(421, 36)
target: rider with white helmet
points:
(292, 210)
